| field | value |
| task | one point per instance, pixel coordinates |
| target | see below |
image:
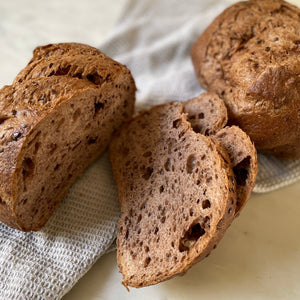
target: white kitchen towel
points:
(153, 38)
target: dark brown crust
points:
(249, 57)
(37, 96)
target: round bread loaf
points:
(249, 56)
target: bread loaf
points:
(177, 190)
(249, 56)
(57, 117)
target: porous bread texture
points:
(53, 125)
(249, 56)
(208, 115)
(243, 158)
(177, 193)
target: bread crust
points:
(53, 124)
(249, 57)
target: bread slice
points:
(243, 158)
(53, 127)
(208, 115)
(177, 194)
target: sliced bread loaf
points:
(177, 195)
(53, 125)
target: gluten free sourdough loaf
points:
(249, 56)
(57, 117)
(177, 187)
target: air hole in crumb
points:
(156, 230)
(147, 174)
(56, 167)
(191, 163)
(161, 189)
(201, 116)
(27, 168)
(176, 123)
(98, 106)
(60, 71)
(3, 118)
(139, 218)
(76, 114)
(2, 202)
(163, 219)
(92, 140)
(147, 249)
(23, 201)
(206, 204)
(127, 234)
(143, 205)
(241, 171)
(36, 147)
(95, 78)
(190, 237)
(147, 262)
(168, 165)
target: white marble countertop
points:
(259, 257)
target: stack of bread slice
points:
(182, 178)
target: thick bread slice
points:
(51, 129)
(243, 157)
(177, 194)
(207, 113)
